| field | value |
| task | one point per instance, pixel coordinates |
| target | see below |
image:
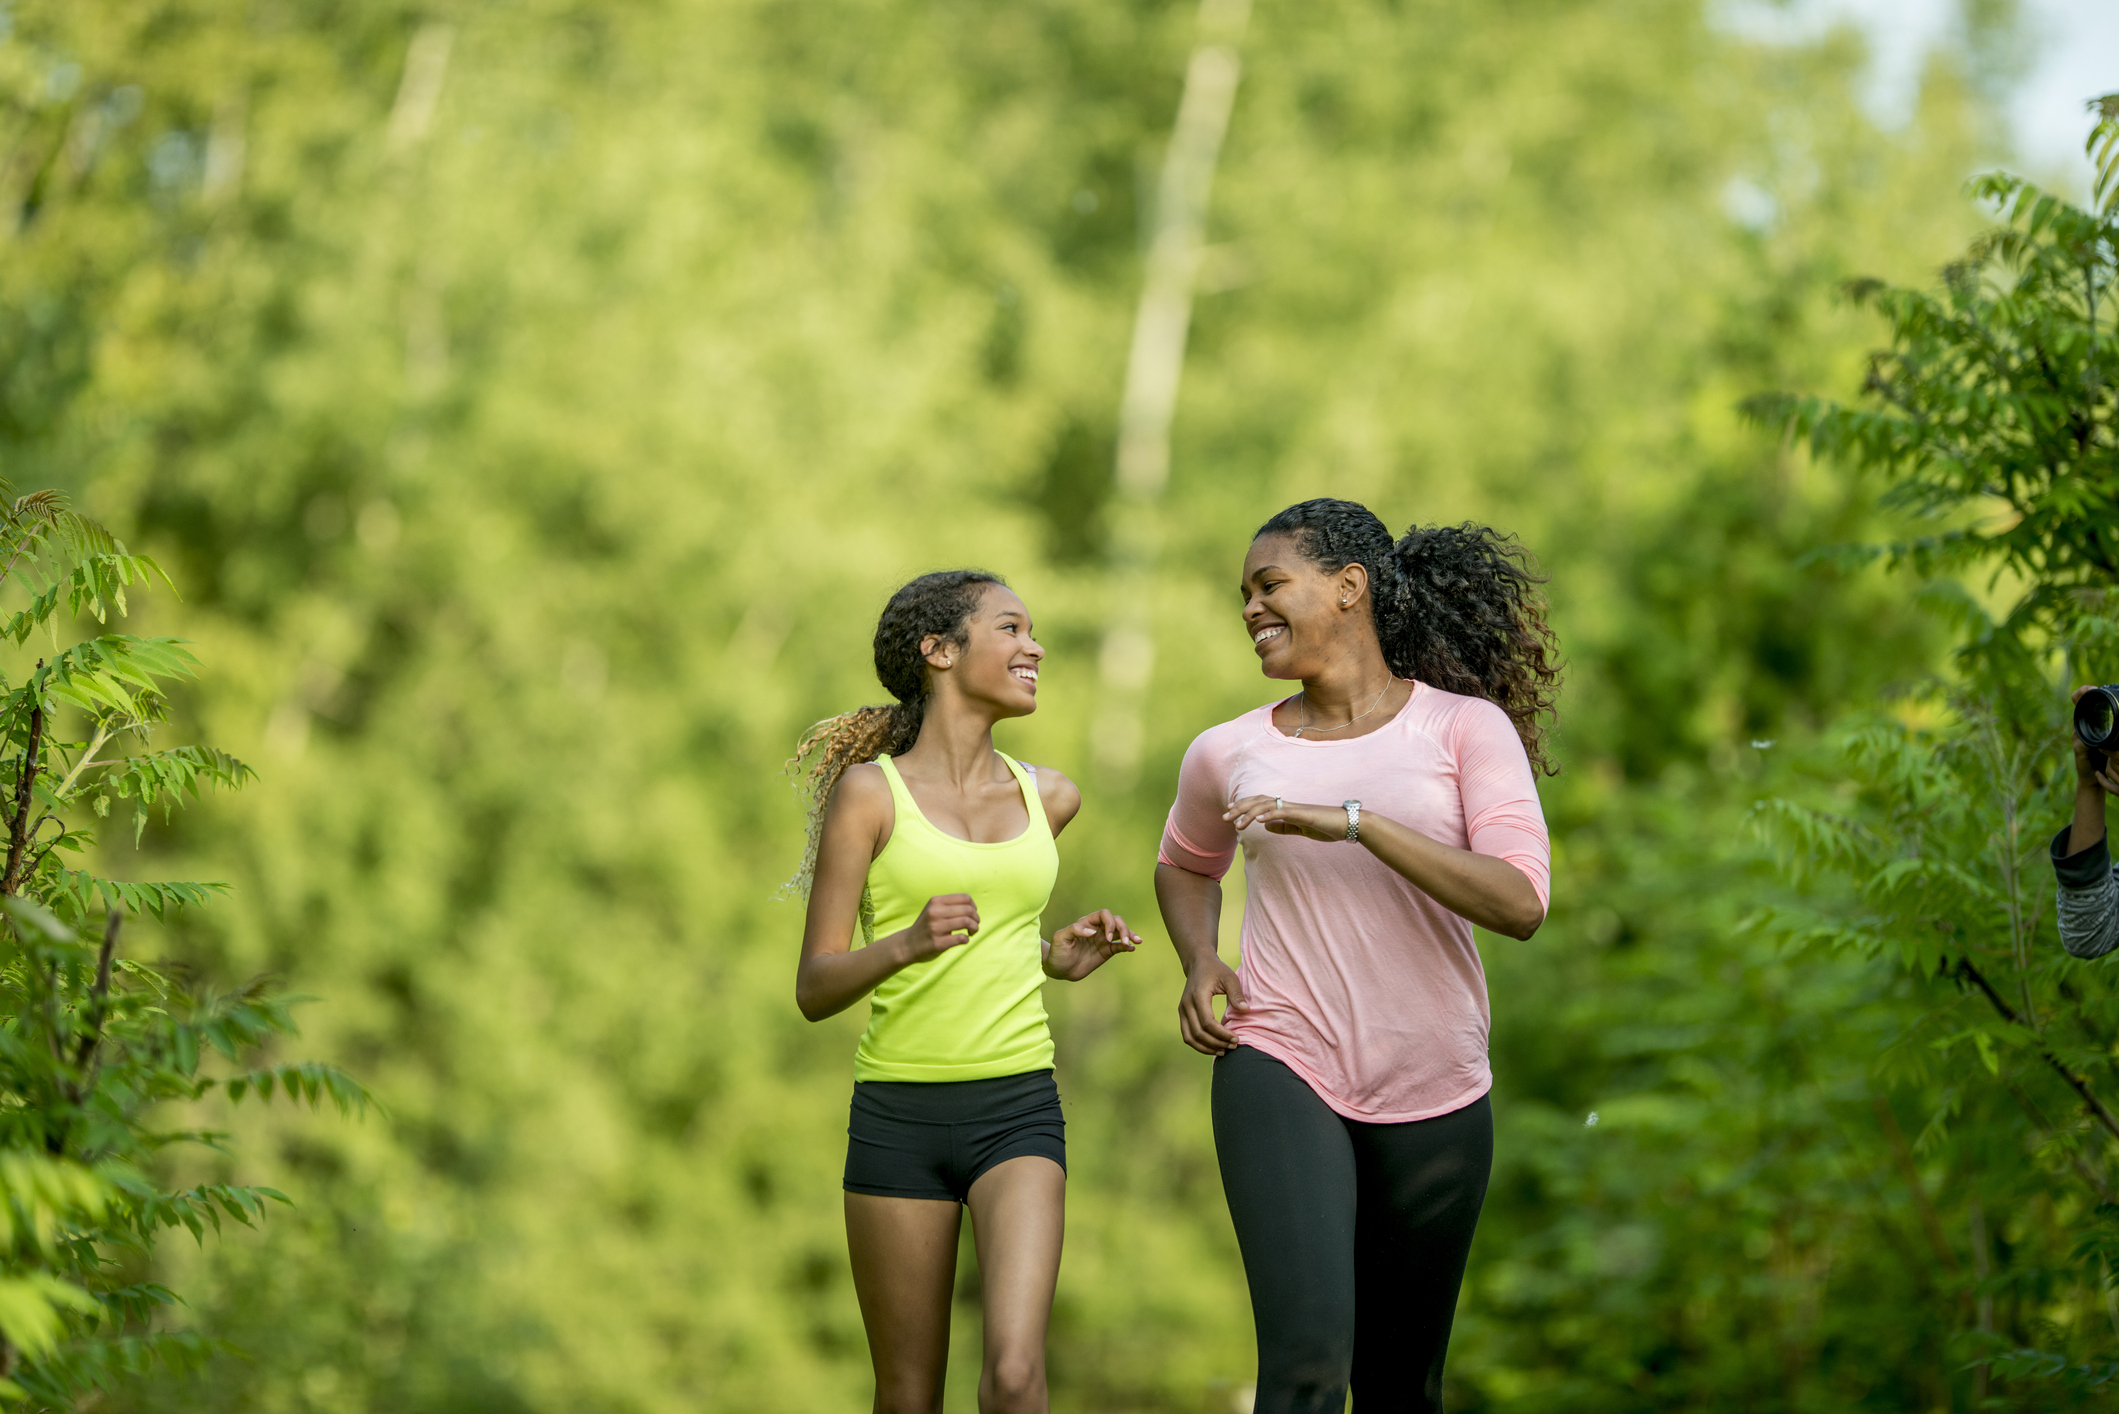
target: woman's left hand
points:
(1317, 822)
(1087, 944)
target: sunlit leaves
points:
(33, 1308)
(91, 1042)
(113, 675)
(1993, 415)
(84, 1064)
(41, 1196)
(1996, 406)
(65, 558)
(306, 1082)
(78, 892)
(196, 1209)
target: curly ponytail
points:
(1455, 606)
(932, 606)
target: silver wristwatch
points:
(1353, 818)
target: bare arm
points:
(1191, 909)
(1094, 939)
(1086, 944)
(1061, 798)
(1492, 893)
(833, 974)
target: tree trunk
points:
(1154, 367)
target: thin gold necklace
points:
(1349, 721)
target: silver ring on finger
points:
(1276, 803)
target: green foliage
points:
(1941, 856)
(2000, 393)
(63, 555)
(1999, 390)
(536, 428)
(97, 1049)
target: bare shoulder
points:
(862, 781)
(862, 796)
(1054, 787)
(1061, 797)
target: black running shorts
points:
(910, 1139)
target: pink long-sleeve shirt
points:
(1367, 988)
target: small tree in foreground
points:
(93, 1044)
(1994, 415)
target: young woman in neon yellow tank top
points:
(930, 860)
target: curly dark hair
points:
(934, 605)
(1456, 606)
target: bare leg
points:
(1018, 1216)
(904, 1264)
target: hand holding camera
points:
(2096, 736)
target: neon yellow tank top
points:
(973, 1012)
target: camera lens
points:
(2096, 714)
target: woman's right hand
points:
(2086, 772)
(945, 922)
(1196, 1022)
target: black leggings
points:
(1353, 1235)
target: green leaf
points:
(32, 1307)
(28, 913)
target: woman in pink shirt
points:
(1382, 811)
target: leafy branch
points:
(91, 1041)
(1992, 417)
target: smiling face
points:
(996, 664)
(1301, 617)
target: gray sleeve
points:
(2089, 901)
